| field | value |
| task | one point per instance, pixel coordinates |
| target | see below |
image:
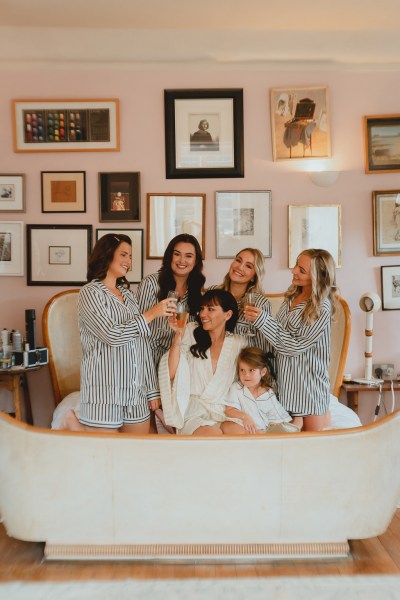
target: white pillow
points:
(70, 401)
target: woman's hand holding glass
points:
(250, 310)
(165, 308)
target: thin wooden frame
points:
(66, 125)
(315, 226)
(390, 280)
(135, 274)
(386, 222)
(300, 123)
(12, 193)
(11, 248)
(58, 254)
(382, 143)
(171, 214)
(243, 219)
(63, 191)
(119, 197)
(216, 148)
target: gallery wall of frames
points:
(229, 157)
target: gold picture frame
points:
(54, 125)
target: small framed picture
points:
(58, 254)
(63, 191)
(171, 214)
(204, 133)
(11, 248)
(390, 277)
(300, 123)
(386, 222)
(243, 220)
(135, 275)
(66, 125)
(12, 193)
(119, 197)
(382, 143)
(315, 226)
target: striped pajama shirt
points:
(302, 354)
(118, 378)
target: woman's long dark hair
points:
(196, 279)
(102, 256)
(226, 301)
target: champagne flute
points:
(173, 297)
(250, 300)
(181, 314)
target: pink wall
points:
(352, 95)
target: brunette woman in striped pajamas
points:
(118, 381)
(181, 271)
(301, 336)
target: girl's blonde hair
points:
(255, 285)
(323, 280)
(255, 357)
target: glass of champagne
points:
(181, 314)
(250, 300)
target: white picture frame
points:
(135, 275)
(390, 278)
(243, 219)
(12, 193)
(315, 226)
(11, 248)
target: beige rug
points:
(304, 588)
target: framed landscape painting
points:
(382, 144)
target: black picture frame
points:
(119, 197)
(218, 150)
(74, 240)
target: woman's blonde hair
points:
(323, 280)
(255, 285)
(256, 358)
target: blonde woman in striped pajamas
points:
(301, 335)
(118, 379)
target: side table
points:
(351, 390)
(13, 379)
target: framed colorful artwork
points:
(66, 125)
(119, 197)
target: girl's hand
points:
(165, 308)
(251, 313)
(155, 404)
(249, 424)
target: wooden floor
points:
(23, 561)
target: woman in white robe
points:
(197, 371)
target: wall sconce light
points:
(324, 178)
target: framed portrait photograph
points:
(171, 214)
(243, 219)
(135, 275)
(58, 254)
(204, 133)
(119, 196)
(66, 125)
(390, 279)
(315, 226)
(386, 222)
(12, 193)
(11, 248)
(382, 143)
(300, 123)
(63, 191)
